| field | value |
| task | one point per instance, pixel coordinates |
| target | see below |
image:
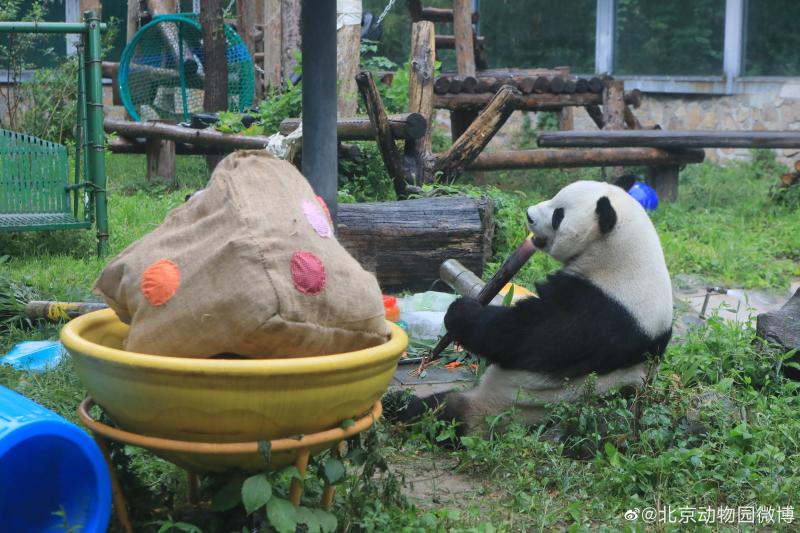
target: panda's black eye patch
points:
(558, 216)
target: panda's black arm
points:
(503, 335)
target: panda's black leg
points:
(403, 406)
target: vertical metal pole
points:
(604, 36)
(319, 99)
(734, 39)
(96, 144)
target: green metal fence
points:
(36, 192)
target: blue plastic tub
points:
(48, 466)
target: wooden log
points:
(383, 133)
(348, 46)
(125, 145)
(455, 86)
(420, 85)
(460, 119)
(509, 73)
(581, 157)
(664, 179)
(499, 83)
(570, 86)
(273, 32)
(478, 134)
(630, 119)
(595, 85)
(596, 114)
(462, 31)
(404, 243)
(205, 137)
(415, 10)
(441, 85)
(246, 21)
(160, 161)
(541, 85)
(438, 14)
(581, 85)
(448, 42)
(405, 126)
(291, 36)
(566, 118)
(613, 104)
(526, 85)
(557, 85)
(526, 102)
(484, 85)
(781, 327)
(469, 84)
(132, 24)
(671, 139)
(633, 98)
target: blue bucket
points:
(52, 474)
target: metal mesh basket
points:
(162, 71)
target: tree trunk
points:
(348, 50)
(215, 63)
(273, 37)
(246, 20)
(292, 39)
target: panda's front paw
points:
(461, 317)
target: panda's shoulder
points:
(565, 285)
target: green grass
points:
(585, 467)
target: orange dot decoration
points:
(160, 281)
(308, 273)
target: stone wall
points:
(772, 107)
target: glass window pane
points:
(539, 33)
(670, 37)
(773, 43)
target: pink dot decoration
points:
(308, 273)
(324, 207)
(317, 219)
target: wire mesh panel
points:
(162, 70)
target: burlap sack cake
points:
(249, 266)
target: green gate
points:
(36, 192)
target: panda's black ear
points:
(626, 181)
(606, 216)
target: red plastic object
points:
(390, 308)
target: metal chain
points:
(385, 12)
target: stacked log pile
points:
(526, 84)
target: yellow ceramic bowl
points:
(224, 400)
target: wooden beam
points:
(405, 126)
(478, 134)
(526, 102)
(613, 105)
(207, 137)
(448, 42)
(383, 133)
(246, 21)
(664, 179)
(132, 24)
(273, 32)
(581, 157)
(671, 139)
(420, 86)
(596, 114)
(462, 31)
(437, 14)
(160, 161)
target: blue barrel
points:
(52, 474)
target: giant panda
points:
(607, 311)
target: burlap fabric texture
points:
(250, 266)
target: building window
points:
(772, 42)
(539, 33)
(669, 37)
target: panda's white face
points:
(580, 214)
